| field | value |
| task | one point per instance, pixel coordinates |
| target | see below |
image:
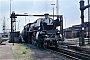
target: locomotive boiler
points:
(43, 32)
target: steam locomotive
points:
(43, 32)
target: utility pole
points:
(88, 23)
(15, 26)
(18, 23)
(4, 25)
(65, 21)
(53, 10)
(10, 7)
(10, 14)
(0, 9)
(25, 17)
(57, 8)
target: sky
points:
(68, 8)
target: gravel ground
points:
(6, 52)
(42, 54)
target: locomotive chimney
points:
(46, 15)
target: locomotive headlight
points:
(57, 32)
(46, 35)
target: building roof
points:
(76, 27)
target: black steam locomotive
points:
(43, 32)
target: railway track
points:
(79, 49)
(70, 53)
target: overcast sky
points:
(68, 8)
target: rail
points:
(71, 53)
